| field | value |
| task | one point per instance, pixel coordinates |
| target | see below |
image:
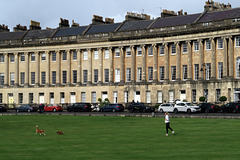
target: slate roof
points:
(104, 28)
(70, 31)
(136, 25)
(34, 34)
(220, 15)
(175, 21)
(11, 35)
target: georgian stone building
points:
(175, 56)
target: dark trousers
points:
(168, 127)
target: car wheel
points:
(17, 110)
(114, 110)
(29, 110)
(175, 111)
(188, 111)
(54, 110)
(161, 110)
(101, 110)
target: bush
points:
(202, 99)
(223, 98)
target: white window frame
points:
(196, 71)
(1, 79)
(74, 76)
(128, 74)
(33, 76)
(54, 56)
(117, 52)
(220, 70)
(43, 78)
(161, 50)
(115, 97)
(106, 54)
(83, 96)
(43, 57)
(196, 46)
(12, 58)
(173, 73)
(54, 74)
(64, 56)
(64, 77)
(106, 75)
(237, 41)
(194, 95)
(161, 73)
(208, 44)
(85, 55)
(95, 72)
(185, 72)
(139, 51)
(126, 96)
(220, 43)
(150, 74)
(22, 57)
(148, 95)
(218, 94)
(173, 49)
(150, 50)
(128, 52)
(160, 97)
(85, 76)
(1, 58)
(96, 54)
(184, 48)
(139, 74)
(117, 75)
(94, 97)
(208, 71)
(74, 56)
(171, 96)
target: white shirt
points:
(167, 119)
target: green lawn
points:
(117, 138)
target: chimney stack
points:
(4, 28)
(63, 23)
(34, 25)
(97, 20)
(19, 28)
(135, 16)
(75, 24)
(166, 13)
(216, 6)
(109, 20)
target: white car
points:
(186, 107)
(166, 107)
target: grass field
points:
(113, 138)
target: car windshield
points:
(189, 104)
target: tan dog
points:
(39, 131)
(59, 132)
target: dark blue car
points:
(26, 108)
(112, 107)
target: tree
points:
(103, 103)
(202, 99)
(223, 99)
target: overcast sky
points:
(49, 12)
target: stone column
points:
(79, 67)
(143, 63)
(37, 69)
(111, 65)
(68, 67)
(89, 66)
(166, 68)
(189, 50)
(201, 58)
(6, 71)
(100, 53)
(231, 57)
(178, 66)
(213, 64)
(133, 69)
(16, 81)
(26, 69)
(58, 71)
(48, 68)
(155, 63)
(225, 58)
(122, 68)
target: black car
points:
(140, 107)
(230, 107)
(209, 107)
(79, 107)
(112, 107)
(26, 108)
(3, 108)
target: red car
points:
(52, 108)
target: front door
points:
(73, 98)
(137, 96)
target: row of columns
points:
(227, 55)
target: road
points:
(128, 114)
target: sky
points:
(49, 12)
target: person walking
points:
(167, 121)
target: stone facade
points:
(152, 65)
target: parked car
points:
(3, 108)
(112, 107)
(166, 107)
(230, 107)
(186, 107)
(53, 108)
(140, 107)
(26, 108)
(79, 107)
(209, 107)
